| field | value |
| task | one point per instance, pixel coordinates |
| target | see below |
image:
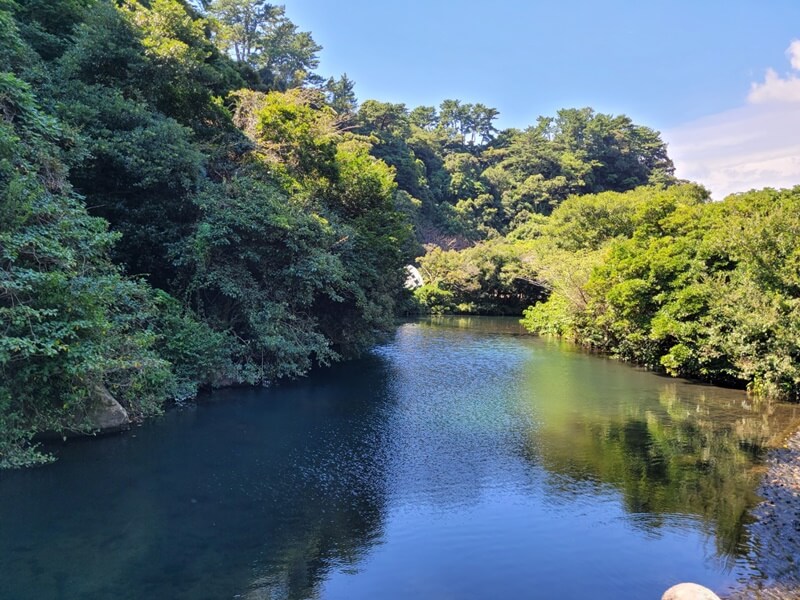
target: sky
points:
(719, 78)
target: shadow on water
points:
(461, 459)
(259, 493)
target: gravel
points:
(775, 533)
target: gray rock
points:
(103, 415)
(689, 591)
(106, 415)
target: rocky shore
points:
(775, 534)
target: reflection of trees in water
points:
(268, 494)
(687, 454)
(260, 495)
(329, 504)
(486, 325)
(337, 535)
(320, 528)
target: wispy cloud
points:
(754, 146)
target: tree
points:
(454, 118)
(483, 130)
(492, 277)
(242, 26)
(333, 174)
(469, 123)
(47, 25)
(341, 95)
(677, 283)
(384, 119)
(287, 57)
(424, 117)
(255, 265)
(70, 322)
(260, 35)
(576, 152)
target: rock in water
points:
(689, 591)
(102, 415)
(106, 414)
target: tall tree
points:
(242, 25)
(424, 117)
(483, 129)
(341, 95)
(260, 35)
(472, 124)
(287, 57)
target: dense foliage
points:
(64, 323)
(166, 224)
(471, 181)
(494, 277)
(667, 279)
(659, 276)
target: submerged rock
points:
(689, 591)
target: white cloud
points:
(755, 146)
(776, 88)
(793, 52)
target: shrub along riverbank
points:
(661, 277)
(701, 289)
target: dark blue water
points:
(458, 461)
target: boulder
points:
(103, 415)
(106, 415)
(689, 591)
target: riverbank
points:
(775, 533)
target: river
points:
(459, 460)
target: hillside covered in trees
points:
(186, 203)
(167, 224)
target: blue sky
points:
(667, 64)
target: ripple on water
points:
(458, 460)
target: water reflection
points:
(460, 460)
(681, 454)
(254, 494)
(449, 441)
(671, 449)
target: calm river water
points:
(460, 460)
